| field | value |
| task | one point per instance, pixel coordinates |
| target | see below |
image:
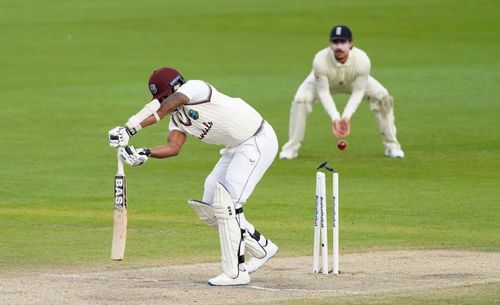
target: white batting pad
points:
(229, 230)
(204, 211)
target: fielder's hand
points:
(134, 156)
(119, 136)
(341, 128)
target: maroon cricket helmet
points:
(164, 81)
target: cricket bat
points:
(120, 214)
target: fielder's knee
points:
(388, 101)
(382, 102)
(301, 103)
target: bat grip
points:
(120, 163)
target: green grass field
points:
(71, 70)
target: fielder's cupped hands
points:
(341, 128)
(134, 156)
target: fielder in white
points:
(341, 68)
(250, 146)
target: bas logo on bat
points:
(119, 193)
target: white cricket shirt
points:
(331, 76)
(213, 117)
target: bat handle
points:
(120, 163)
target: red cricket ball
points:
(341, 144)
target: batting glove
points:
(134, 156)
(119, 136)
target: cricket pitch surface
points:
(280, 279)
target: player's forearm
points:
(329, 105)
(358, 92)
(353, 103)
(148, 122)
(165, 151)
(148, 112)
(326, 98)
(155, 111)
(175, 141)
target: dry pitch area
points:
(281, 279)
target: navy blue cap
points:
(340, 32)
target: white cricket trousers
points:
(381, 103)
(241, 167)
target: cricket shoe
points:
(288, 154)
(224, 280)
(255, 263)
(395, 153)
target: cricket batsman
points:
(196, 108)
(341, 68)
